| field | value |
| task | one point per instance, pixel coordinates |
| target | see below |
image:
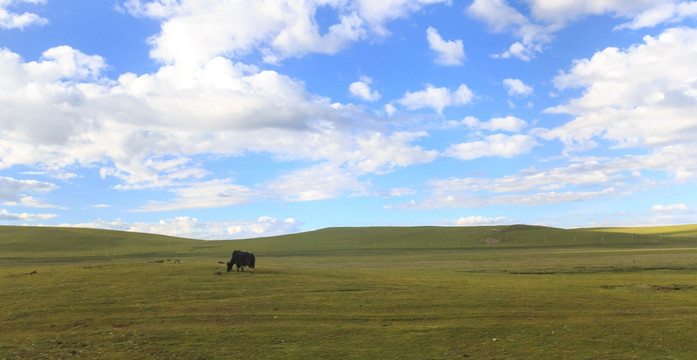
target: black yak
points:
(241, 259)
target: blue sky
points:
(232, 119)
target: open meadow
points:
(506, 292)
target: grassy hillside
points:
(19, 238)
(57, 242)
(501, 292)
(431, 237)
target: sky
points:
(230, 119)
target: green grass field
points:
(508, 292)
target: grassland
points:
(511, 292)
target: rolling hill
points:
(46, 242)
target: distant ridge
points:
(27, 242)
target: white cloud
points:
(398, 192)
(493, 145)
(582, 174)
(498, 14)
(158, 9)
(549, 17)
(34, 91)
(516, 87)
(8, 216)
(60, 111)
(478, 221)
(10, 189)
(379, 153)
(64, 62)
(677, 161)
(449, 52)
(639, 96)
(361, 89)
(670, 215)
(194, 31)
(500, 17)
(11, 20)
(263, 226)
(30, 201)
(450, 200)
(581, 180)
(437, 98)
(369, 153)
(652, 17)
(508, 123)
(188, 227)
(377, 13)
(673, 208)
(645, 13)
(318, 182)
(390, 109)
(139, 129)
(203, 195)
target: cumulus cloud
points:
(158, 9)
(193, 32)
(377, 13)
(12, 20)
(14, 217)
(34, 91)
(188, 227)
(508, 123)
(535, 30)
(671, 214)
(139, 128)
(501, 17)
(64, 62)
(516, 87)
(11, 190)
(450, 52)
(478, 221)
(436, 98)
(380, 153)
(361, 89)
(149, 130)
(637, 96)
(645, 13)
(493, 145)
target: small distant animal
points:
(159, 261)
(240, 259)
(177, 261)
(33, 272)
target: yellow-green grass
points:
(668, 231)
(376, 293)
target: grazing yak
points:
(241, 259)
